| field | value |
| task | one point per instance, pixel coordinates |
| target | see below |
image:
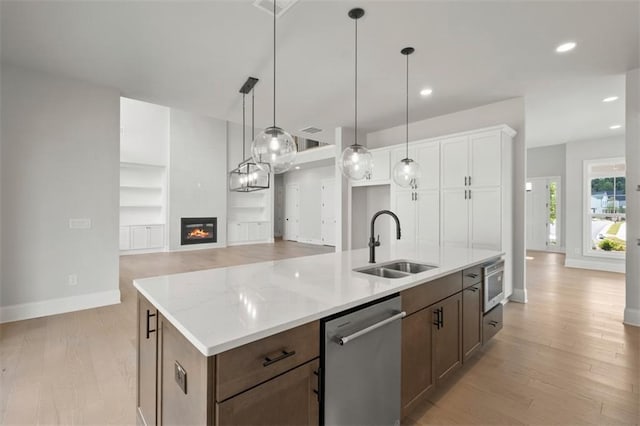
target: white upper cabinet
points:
(428, 213)
(485, 165)
(455, 162)
(427, 155)
(381, 170)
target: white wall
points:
(576, 153)
(549, 161)
(510, 112)
(60, 160)
(632, 125)
(144, 132)
(309, 182)
(197, 173)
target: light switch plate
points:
(81, 223)
(181, 377)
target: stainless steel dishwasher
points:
(361, 365)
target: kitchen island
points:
(241, 345)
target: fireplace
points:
(198, 230)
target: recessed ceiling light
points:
(615, 126)
(426, 92)
(565, 47)
(610, 99)
(297, 167)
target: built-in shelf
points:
(141, 206)
(141, 187)
(141, 165)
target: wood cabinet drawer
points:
(492, 323)
(431, 292)
(471, 276)
(249, 365)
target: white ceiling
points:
(196, 55)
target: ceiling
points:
(196, 55)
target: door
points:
(455, 218)
(447, 350)
(292, 213)
(417, 376)
(486, 218)
(455, 162)
(485, 166)
(428, 215)
(543, 213)
(471, 320)
(147, 360)
(328, 212)
(288, 399)
(405, 209)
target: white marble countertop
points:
(220, 309)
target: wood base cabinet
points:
(417, 342)
(447, 337)
(147, 362)
(471, 320)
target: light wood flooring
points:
(563, 358)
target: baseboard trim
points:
(518, 295)
(632, 317)
(248, 243)
(595, 265)
(192, 247)
(58, 306)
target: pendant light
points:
(274, 146)
(406, 171)
(356, 161)
(248, 176)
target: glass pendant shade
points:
(249, 177)
(406, 172)
(356, 162)
(274, 149)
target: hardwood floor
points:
(563, 358)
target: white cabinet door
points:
(428, 157)
(252, 231)
(155, 236)
(405, 209)
(455, 162)
(263, 231)
(238, 232)
(486, 218)
(139, 237)
(380, 169)
(485, 168)
(428, 216)
(455, 218)
(125, 237)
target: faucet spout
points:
(373, 243)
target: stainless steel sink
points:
(383, 272)
(409, 267)
(396, 269)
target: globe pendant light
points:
(274, 149)
(356, 161)
(406, 171)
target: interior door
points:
(292, 213)
(328, 212)
(455, 218)
(537, 225)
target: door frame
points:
(559, 246)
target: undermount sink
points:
(396, 269)
(409, 267)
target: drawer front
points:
(492, 323)
(431, 292)
(249, 365)
(471, 276)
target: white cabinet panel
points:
(455, 162)
(155, 236)
(263, 231)
(238, 231)
(485, 165)
(428, 213)
(455, 218)
(405, 209)
(139, 237)
(428, 157)
(125, 238)
(486, 218)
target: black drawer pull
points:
(493, 323)
(268, 361)
(473, 289)
(149, 315)
(472, 275)
(319, 391)
(436, 321)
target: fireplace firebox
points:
(198, 230)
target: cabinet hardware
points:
(469, 194)
(284, 354)
(318, 391)
(441, 317)
(473, 289)
(472, 275)
(436, 321)
(465, 181)
(469, 181)
(149, 315)
(465, 194)
(493, 323)
(416, 196)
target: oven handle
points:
(492, 273)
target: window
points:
(606, 203)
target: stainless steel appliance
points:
(493, 274)
(361, 365)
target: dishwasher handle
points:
(346, 339)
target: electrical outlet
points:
(72, 279)
(181, 377)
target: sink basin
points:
(409, 267)
(383, 272)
